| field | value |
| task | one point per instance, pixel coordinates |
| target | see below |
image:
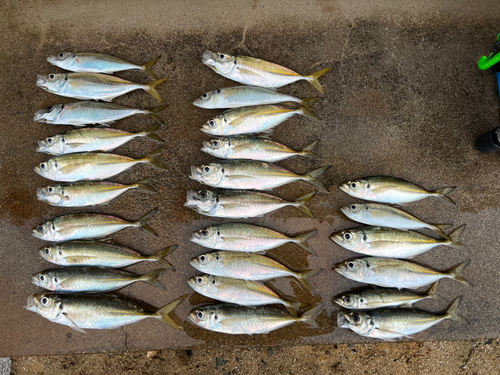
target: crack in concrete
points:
(249, 22)
(126, 338)
(466, 365)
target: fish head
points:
(208, 99)
(218, 147)
(47, 169)
(46, 305)
(49, 114)
(62, 60)
(355, 211)
(52, 82)
(206, 262)
(215, 126)
(220, 62)
(351, 239)
(51, 194)
(211, 174)
(350, 301)
(205, 200)
(52, 145)
(46, 280)
(50, 253)
(354, 269)
(205, 317)
(45, 231)
(357, 188)
(208, 237)
(202, 282)
(359, 322)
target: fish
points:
(99, 253)
(370, 298)
(391, 190)
(82, 194)
(247, 237)
(247, 266)
(391, 324)
(95, 311)
(240, 320)
(91, 113)
(256, 72)
(250, 174)
(241, 204)
(385, 216)
(396, 273)
(88, 225)
(92, 139)
(392, 243)
(98, 63)
(90, 166)
(90, 279)
(96, 86)
(239, 292)
(243, 96)
(254, 119)
(254, 148)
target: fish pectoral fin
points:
(237, 177)
(72, 167)
(406, 306)
(234, 205)
(250, 73)
(73, 324)
(389, 332)
(72, 146)
(79, 259)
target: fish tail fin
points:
(306, 110)
(308, 102)
(147, 67)
(440, 228)
(152, 112)
(309, 317)
(432, 292)
(150, 160)
(454, 273)
(453, 237)
(164, 311)
(149, 133)
(451, 313)
(152, 277)
(303, 278)
(308, 151)
(311, 177)
(143, 222)
(150, 88)
(313, 78)
(302, 240)
(144, 185)
(301, 204)
(443, 194)
(159, 257)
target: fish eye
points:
(204, 232)
(205, 95)
(222, 56)
(49, 140)
(46, 251)
(61, 55)
(361, 300)
(62, 192)
(52, 76)
(347, 236)
(353, 207)
(42, 278)
(44, 301)
(216, 143)
(203, 258)
(200, 314)
(43, 166)
(50, 108)
(50, 189)
(354, 185)
(211, 123)
(350, 265)
(202, 194)
(207, 169)
(355, 318)
(215, 317)
(213, 280)
(39, 229)
(55, 279)
(199, 280)
(347, 299)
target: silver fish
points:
(369, 298)
(90, 166)
(246, 174)
(392, 243)
(99, 253)
(395, 323)
(396, 273)
(385, 216)
(254, 148)
(88, 225)
(391, 190)
(100, 311)
(255, 119)
(247, 237)
(242, 96)
(90, 279)
(94, 86)
(241, 204)
(240, 320)
(82, 194)
(90, 113)
(97, 63)
(247, 266)
(256, 72)
(239, 292)
(92, 139)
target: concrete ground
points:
(404, 98)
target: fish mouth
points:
(34, 280)
(42, 146)
(192, 283)
(39, 116)
(337, 238)
(339, 302)
(31, 304)
(195, 173)
(41, 193)
(190, 200)
(198, 103)
(41, 81)
(193, 318)
(343, 188)
(208, 58)
(345, 210)
(339, 268)
(38, 170)
(342, 321)
(52, 59)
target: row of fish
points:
(235, 275)
(90, 267)
(388, 313)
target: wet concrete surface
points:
(404, 98)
